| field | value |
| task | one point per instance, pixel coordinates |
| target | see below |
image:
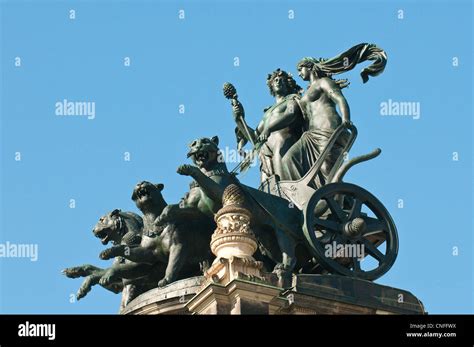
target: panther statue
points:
(118, 227)
(211, 176)
(173, 245)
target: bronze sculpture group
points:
(301, 206)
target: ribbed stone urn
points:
(233, 236)
(233, 241)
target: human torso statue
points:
(319, 109)
(321, 119)
(281, 125)
(278, 141)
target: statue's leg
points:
(294, 162)
(132, 292)
(87, 285)
(92, 280)
(277, 166)
(125, 297)
(212, 189)
(284, 270)
(131, 270)
(81, 271)
(124, 271)
(326, 169)
(175, 263)
(266, 165)
(140, 254)
(331, 158)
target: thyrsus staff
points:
(242, 131)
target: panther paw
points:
(74, 272)
(186, 170)
(85, 288)
(110, 253)
(106, 279)
(163, 282)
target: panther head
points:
(147, 195)
(204, 152)
(110, 227)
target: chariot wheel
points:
(355, 236)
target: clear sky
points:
(177, 62)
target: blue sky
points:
(185, 62)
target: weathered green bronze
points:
(173, 249)
(301, 207)
(315, 160)
(280, 127)
(120, 228)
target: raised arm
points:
(239, 116)
(334, 92)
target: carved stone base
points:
(237, 297)
(224, 270)
(170, 299)
(332, 294)
(310, 294)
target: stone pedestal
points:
(171, 299)
(237, 297)
(333, 294)
(310, 294)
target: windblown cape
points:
(349, 59)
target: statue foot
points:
(279, 267)
(107, 278)
(163, 282)
(77, 271)
(112, 252)
(187, 170)
(285, 276)
(85, 288)
(204, 266)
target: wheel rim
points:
(344, 233)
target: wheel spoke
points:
(327, 236)
(355, 210)
(336, 209)
(327, 224)
(373, 251)
(345, 214)
(356, 265)
(373, 226)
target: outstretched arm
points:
(334, 92)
